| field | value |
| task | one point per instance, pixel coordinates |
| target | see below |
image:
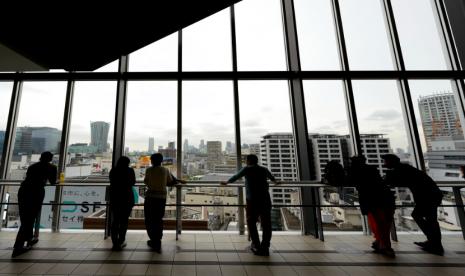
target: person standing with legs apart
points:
(157, 178)
(427, 197)
(30, 197)
(258, 202)
(122, 179)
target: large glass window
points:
(266, 130)
(420, 35)
(318, 45)
(5, 97)
(206, 45)
(151, 123)
(38, 129)
(208, 148)
(260, 37)
(91, 130)
(161, 55)
(365, 32)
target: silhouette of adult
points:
(157, 178)
(427, 197)
(258, 202)
(30, 197)
(122, 179)
(376, 202)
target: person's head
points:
(252, 159)
(157, 159)
(390, 160)
(46, 157)
(123, 161)
(357, 161)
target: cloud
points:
(383, 115)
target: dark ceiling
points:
(83, 37)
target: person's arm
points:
(132, 177)
(235, 177)
(52, 178)
(176, 181)
(147, 177)
(271, 177)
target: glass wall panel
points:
(89, 155)
(366, 35)
(330, 140)
(38, 129)
(5, 98)
(206, 45)
(420, 35)
(266, 130)
(318, 45)
(161, 55)
(110, 67)
(209, 152)
(260, 37)
(151, 126)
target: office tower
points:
(202, 147)
(214, 154)
(171, 145)
(439, 117)
(151, 148)
(277, 154)
(37, 140)
(230, 147)
(99, 135)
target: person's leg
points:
(418, 214)
(114, 225)
(25, 220)
(252, 218)
(434, 231)
(124, 224)
(383, 219)
(160, 213)
(149, 217)
(265, 221)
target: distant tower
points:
(214, 152)
(171, 145)
(151, 145)
(99, 135)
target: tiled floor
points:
(226, 254)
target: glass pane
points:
(266, 130)
(110, 67)
(151, 123)
(420, 35)
(318, 45)
(368, 45)
(206, 45)
(381, 123)
(207, 132)
(91, 130)
(260, 37)
(161, 55)
(5, 98)
(439, 118)
(38, 129)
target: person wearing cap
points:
(30, 197)
(427, 197)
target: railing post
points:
(460, 210)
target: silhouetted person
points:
(30, 197)
(427, 197)
(122, 179)
(335, 175)
(157, 178)
(258, 202)
(376, 200)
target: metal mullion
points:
(348, 88)
(404, 93)
(10, 133)
(179, 139)
(119, 129)
(56, 210)
(237, 121)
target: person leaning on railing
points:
(427, 197)
(258, 202)
(30, 197)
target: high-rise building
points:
(151, 148)
(214, 154)
(171, 145)
(37, 140)
(230, 147)
(202, 147)
(99, 135)
(439, 117)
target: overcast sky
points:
(264, 105)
